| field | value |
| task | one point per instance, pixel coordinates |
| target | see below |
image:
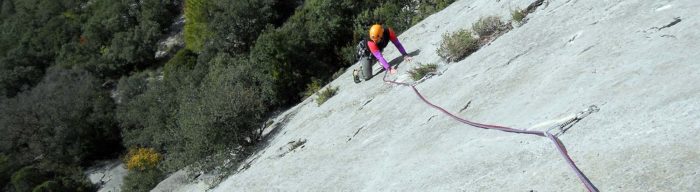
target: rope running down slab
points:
(557, 143)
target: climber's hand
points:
(407, 58)
(392, 70)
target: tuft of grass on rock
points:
(326, 94)
(487, 26)
(422, 70)
(312, 88)
(458, 45)
(518, 15)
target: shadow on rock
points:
(397, 61)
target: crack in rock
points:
(431, 118)
(365, 104)
(669, 36)
(356, 132)
(674, 22)
(291, 146)
(517, 56)
(466, 106)
(586, 49)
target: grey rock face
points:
(637, 60)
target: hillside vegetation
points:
(79, 81)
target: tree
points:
(224, 113)
(117, 37)
(238, 23)
(149, 102)
(183, 62)
(66, 118)
(7, 167)
(27, 178)
(147, 119)
(30, 39)
(7, 8)
(309, 45)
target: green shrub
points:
(7, 167)
(147, 119)
(27, 178)
(422, 70)
(326, 94)
(72, 120)
(184, 60)
(489, 25)
(220, 115)
(76, 182)
(400, 15)
(348, 53)
(49, 186)
(237, 24)
(129, 87)
(191, 117)
(518, 15)
(394, 15)
(49, 177)
(458, 45)
(72, 178)
(196, 29)
(313, 87)
(140, 181)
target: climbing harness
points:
(557, 143)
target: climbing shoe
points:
(356, 75)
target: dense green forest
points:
(80, 83)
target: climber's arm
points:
(378, 54)
(397, 43)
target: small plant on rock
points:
(422, 70)
(458, 45)
(326, 94)
(518, 15)
(312, 88)
(487, 26)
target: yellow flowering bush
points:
(142, 158)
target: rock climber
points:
(379, 37)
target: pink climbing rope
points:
(559, 145)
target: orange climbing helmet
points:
(376, 32)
